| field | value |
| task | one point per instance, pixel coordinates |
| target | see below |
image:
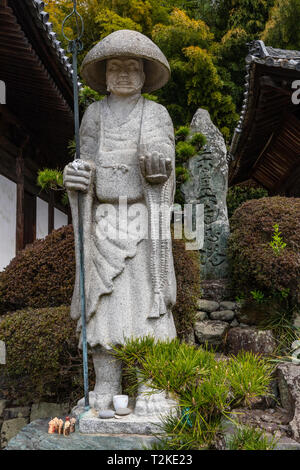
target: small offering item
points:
(56, 425)
(106, 414)
(123, 411)
(52, 427)
(72, 424)
(67, 427)
(60, 426)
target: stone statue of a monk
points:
(127, 151)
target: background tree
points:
(195, 82)
(282, 30)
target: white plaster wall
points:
(8, 211)
(41, 218)
(60, 219)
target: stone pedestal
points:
(130, 424)
(35, 436)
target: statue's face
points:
(124, 76)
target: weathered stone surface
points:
(289, 389)
(2, 353)
(2, 407)
(151, 404)
(48, 410)
(250, 339)
(130, 424)
(35, 437)
(11, 428)
(224, 315)
(200, 316)
(208, 185)
(216, 289)
(211, 331)
(207, 305)
(234, 323)
(227, 305)
(18, 412)
(285, 443)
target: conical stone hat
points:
(126, 43)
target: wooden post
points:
(20, 202)
(20, 197)
(51, 213)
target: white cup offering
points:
(120, 401)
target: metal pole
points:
(75, 46)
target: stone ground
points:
(35, 436)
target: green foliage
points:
(109, 21)
(282, 29)
(205, 388)
(280, 323)
(258, 296)
(181, 133)
(88, 96)
(184, 151)
(43, 362)
(42, 275)
(52, 180)
(277, 243)
(254, 266)
(238, 194)
(195, 81)
(198, 140)
(248, 438)
(249, 376)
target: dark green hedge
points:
(42, 275)
(43, 361)
(254, 265)
(187, 270)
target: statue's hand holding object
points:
(78, 176)
(155, 168)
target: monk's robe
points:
(129, 273)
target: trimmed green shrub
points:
(42, 275)
(238, 194)
(255, 265)
(43, 361)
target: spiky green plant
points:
(206, 389)
(249, 376)
(52, 180)
(248, 438)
